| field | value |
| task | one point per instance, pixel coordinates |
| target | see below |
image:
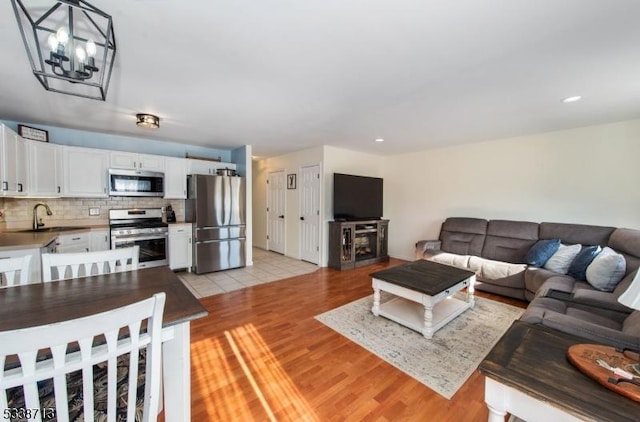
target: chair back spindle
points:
(60, 266)
(14, 271)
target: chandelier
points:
(70, 43)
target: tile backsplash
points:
(18, 212)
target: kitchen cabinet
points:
(175, 178)
(206, 167)
(44, 177)
(99, 240)
(134, 161)
(84, 172)
(35, 273)
(180, 250)
(13, 163)
(73, 242)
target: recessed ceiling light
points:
(572, 99)
(379, 140)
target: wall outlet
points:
(94, 211)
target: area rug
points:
(443, 363)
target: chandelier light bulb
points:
(91, 48)
(53, 42)
(80, 54)
(63, 36)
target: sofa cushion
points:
(464, 236)
(631, 325)
(627, 242)
(455, 260)
(488, 269)
(578, 268)
(561, 260)
(593, 318)
(541, 251)
(509, 241)
(571, 234)
(606, 270)
(539, 280)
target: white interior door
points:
(275, 211)
(310, 214)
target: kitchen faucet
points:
(37, 222)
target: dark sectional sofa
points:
(495, 250)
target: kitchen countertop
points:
(13, 239)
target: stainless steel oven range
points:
(143, 227)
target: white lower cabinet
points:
(180, 250)
(99, 240)
(76, 242)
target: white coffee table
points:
(424, 292)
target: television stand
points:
(355, 244)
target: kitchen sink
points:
(52, 229)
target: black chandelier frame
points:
(59, 64)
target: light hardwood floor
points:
(260, 355)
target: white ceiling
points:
(287, 75)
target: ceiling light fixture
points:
(148, 121)
(572, 99)
(71, 45)
(379, 140)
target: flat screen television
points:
(356, 197)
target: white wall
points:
(588, 175)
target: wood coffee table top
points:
(424, 276)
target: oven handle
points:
(117, 239)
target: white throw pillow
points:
(562, 259)
(606, 270)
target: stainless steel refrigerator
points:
(215, 206)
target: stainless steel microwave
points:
(135, 183)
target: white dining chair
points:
(60, 266)
(71, 381)
(9, 269)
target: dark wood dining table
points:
(47, 303)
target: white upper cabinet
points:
(175, 178)
(84, 172)
(13, 163)
(207, 167)
(44, 178)
(135, 161)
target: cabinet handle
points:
(58, 189)
(301, 218)
(19, 187)
(5, 185)
(75, 238)
(140, 166)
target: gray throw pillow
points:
(606, 270)
(561, 260)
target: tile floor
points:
(267, 266)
